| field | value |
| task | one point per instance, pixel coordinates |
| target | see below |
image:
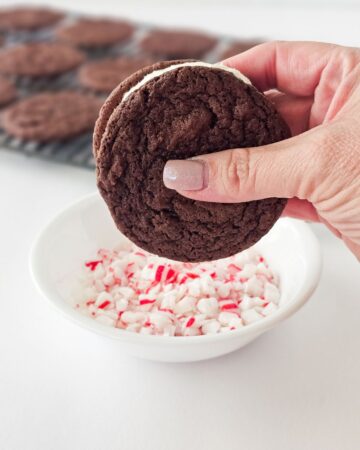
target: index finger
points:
(291, 67)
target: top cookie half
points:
(177, 110)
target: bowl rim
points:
(314, 260)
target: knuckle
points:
(236, 172)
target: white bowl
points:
(80, 230)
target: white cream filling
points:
(157, 73)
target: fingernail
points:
(185, 175)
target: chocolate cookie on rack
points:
(172, 44)
(104, 75)
(8, 91)
(28, 18)
(39, 59)
(51, 116)
(95, 33)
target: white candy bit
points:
(206, 284)
(192, 331)
(250, 316)
(254, 287)
(236, 322)
(169, 330)
(226, 317)
(135, 291)
(99, 272)
(125, 292)
(211, 327)
(271, 293)
(187, 304)
(121, 305)
(226, 329)
(132, 317)
(248, 271)
(257, 301)
(194, 288)
(268, 309)
(208, 306)
(223, 289)
(168, 300)
(159, 320)
(148, 273)
(155, 290)
(102, 298)
(246, 303)
(181, 291)
(238, 286)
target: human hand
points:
(316, 88)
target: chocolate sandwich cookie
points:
(39, 59)
(51, 116)
(95, 33)
(104, 75)
(180, 110)
(7, 91)
(177, 44)
(238, 47)
(28, 18)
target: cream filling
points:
(158, 73)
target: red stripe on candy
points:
(192, 275)
(146, 301)
(93, 264)
(104, 304)
(234, 266)
(229, 306)
(170, 275)
(171, 311)
(159, 272)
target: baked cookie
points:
(104, 75)
(95, 33)
(51, 116)
(177, 110)
(28, 18)
(177, 44)
(238, 47)
(7, 91)
(39, 59)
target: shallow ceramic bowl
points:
(80, 230)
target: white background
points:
(295, 388)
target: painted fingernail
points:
(185, 175)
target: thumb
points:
(283, 169)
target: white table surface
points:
(295, 388)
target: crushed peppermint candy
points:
(136, 291)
